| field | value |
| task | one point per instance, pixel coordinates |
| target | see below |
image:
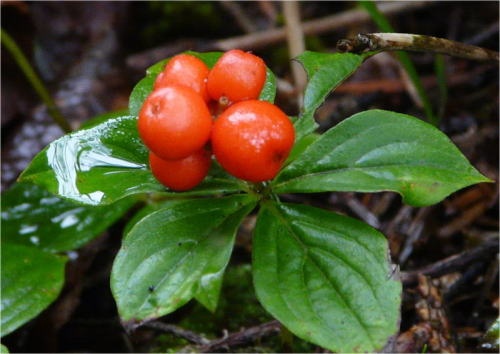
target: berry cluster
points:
(194, 111)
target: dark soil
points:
(90, 54)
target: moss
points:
(238, 307)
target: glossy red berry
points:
(252, 139)
(185, 70)
(183, 174)
(174, 122)
(236, 76)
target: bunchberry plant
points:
(326, 277)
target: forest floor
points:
(91, 54)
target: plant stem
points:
(440, 70)
(34, 80)
(414, 42)
(296, 44)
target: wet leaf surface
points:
(381, 151)
(171, 256)
(319, 278)
(32, 216)
(97, 165)
(29, 285)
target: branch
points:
(365, 42)
(329, 23)
(203, 345)
(261, 39)
(296, 43)
(239, 15)
(454, 263)
(245, 336)
(177, 331)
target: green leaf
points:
(3, 349)
(31, 216)
(31, 280)
(106, 163)
(95, 166)
(268, 92)
(301, 145)
(103, 118)
(176, 253)
(326, 72)
(377, 150)
(490, 341)
(139, 93)
(304, 126)
(144, 87)
(326, 277)
(218, 181)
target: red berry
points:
(183, 174)
(252, 139)
(184, 70)
(174, 122)
(236, 76)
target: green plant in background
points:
(383, 23)
(326, 277)
(34, 80)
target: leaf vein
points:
(301, 244)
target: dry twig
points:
(414, 232)
(397, 86)
(234, 8)
(177, 331)
(261, 39)
(365, 42)
(245, 336)
(483, 252)
(296, 43)
(363, 212)
(325, 24)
